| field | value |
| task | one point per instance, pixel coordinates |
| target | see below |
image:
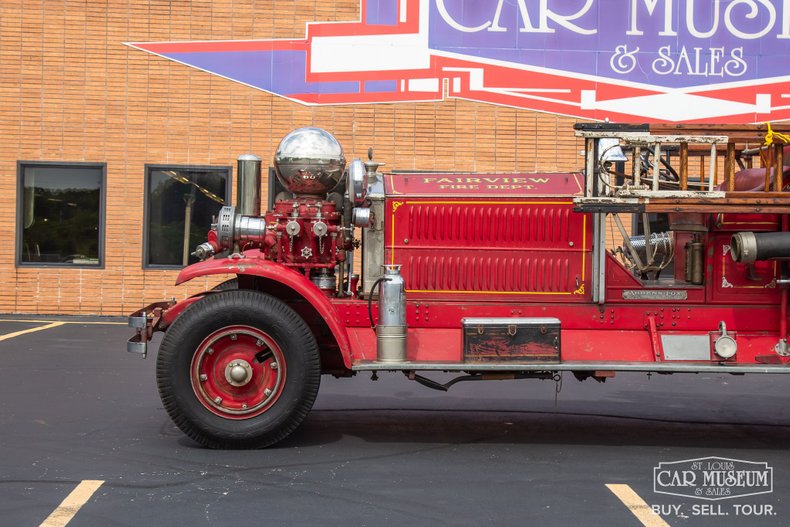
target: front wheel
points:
(238, 369)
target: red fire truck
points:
(666, 253)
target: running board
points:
(647, 367)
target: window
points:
(180, 204)
(60, 214)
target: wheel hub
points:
(238, 372)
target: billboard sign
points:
(700, 61)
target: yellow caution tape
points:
(771, 136)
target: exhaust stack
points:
(248, 191)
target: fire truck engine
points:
(666, 253)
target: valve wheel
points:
(238, 369)
(238, 372)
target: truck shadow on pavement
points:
(459, 427)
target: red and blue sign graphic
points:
(700, 61)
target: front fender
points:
(251, 266)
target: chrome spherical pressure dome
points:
(310, 161)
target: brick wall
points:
(71, 91)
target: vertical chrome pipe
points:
(248, 190)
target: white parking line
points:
(72, 504)
(637, 505)
(31, 330)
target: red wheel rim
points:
(238, 372)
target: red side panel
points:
(747, 222)
(606, 345)
(526, 250)
(422, 344)
(739, 283)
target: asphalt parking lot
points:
(85, 441)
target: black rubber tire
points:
(229, 308)
(227, 285)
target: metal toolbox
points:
(511, 340)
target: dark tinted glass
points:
(61, 214)
(181, 204)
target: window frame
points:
(20, 184)
(149, 167)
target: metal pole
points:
(190, 201)
(590, 161)
(684, 166)
(602, 258)
(656, 165)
